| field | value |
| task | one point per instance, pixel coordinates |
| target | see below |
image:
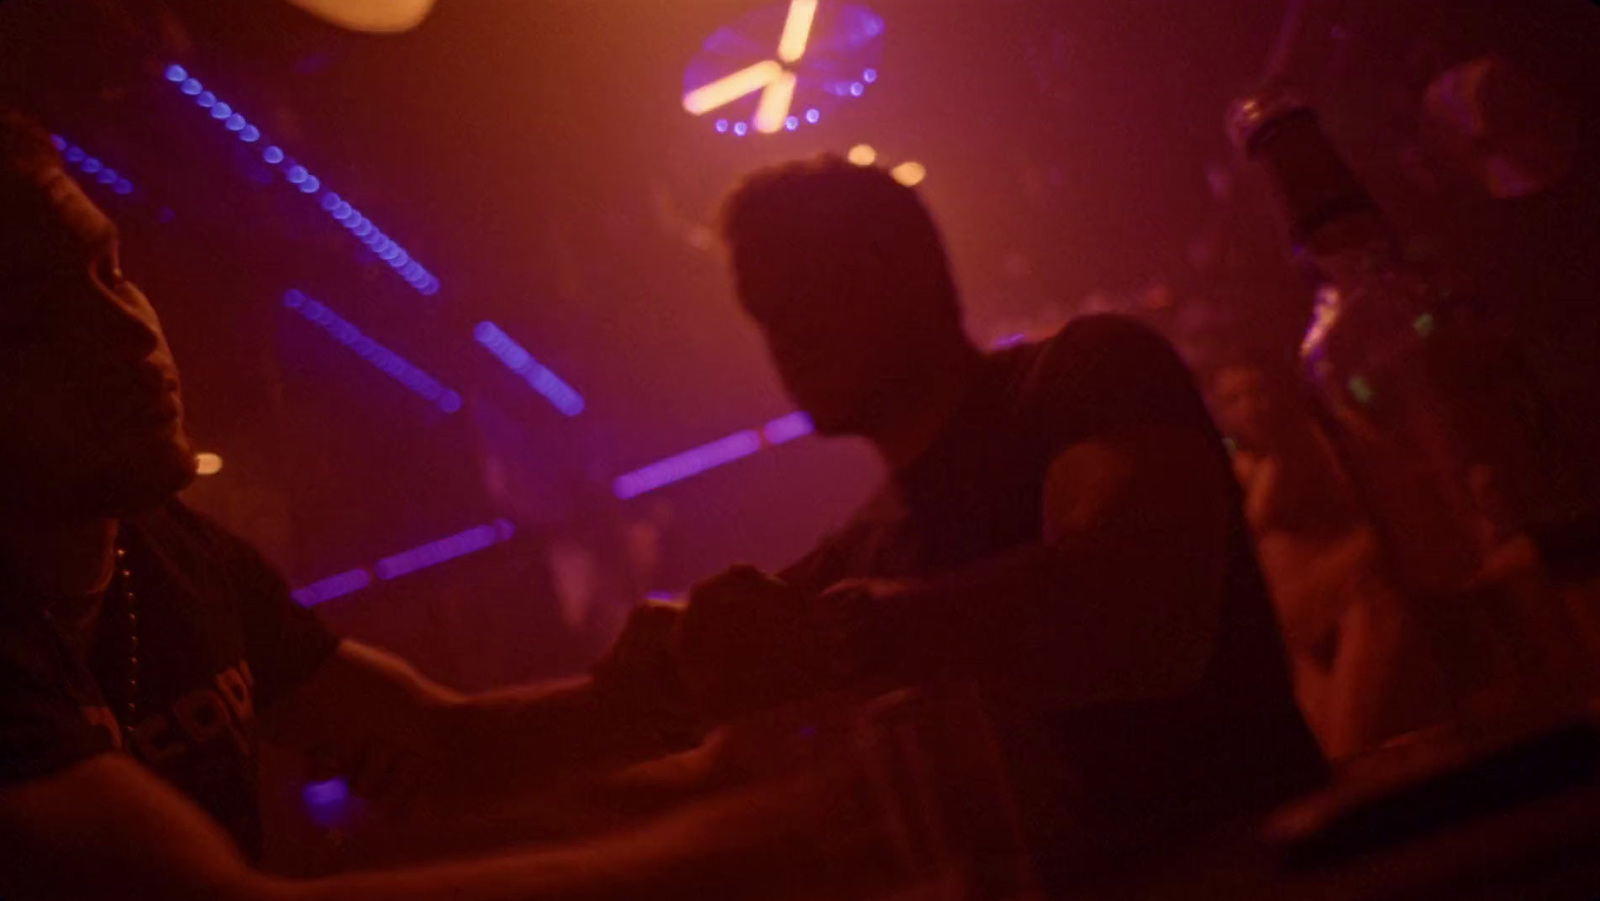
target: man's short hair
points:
(27, 159)
(831, 205)
(26, 150)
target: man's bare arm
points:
(106, 829)
(400, 736)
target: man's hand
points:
(853, 618)
(643, 652)
(748, 642)
(639, 678)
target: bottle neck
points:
(1328, 208)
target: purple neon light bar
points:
(332, 587)
(406, 562)
(787, 428)
(706, 457)
(436, 552)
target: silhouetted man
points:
(1060, 523)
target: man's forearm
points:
(731, 847)
(595, 873)
(501, 741)
(397, 735)
(108, 829)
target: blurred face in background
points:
(1246, 407)
(91, 422)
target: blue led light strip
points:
(709, 456)
(367, 349)
(538, 377)
(295, 174)
(91, 167)
(406, 562)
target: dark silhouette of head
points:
(844, 270)
(90, 418)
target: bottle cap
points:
(1277, 130)
(1251, 118)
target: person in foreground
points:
(141, 646)
(1059, 524)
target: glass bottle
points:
(1386, 359)
(1373, 352)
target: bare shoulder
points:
(1135, 477)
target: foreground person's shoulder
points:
(1109, 352)
(1111, 334)
(173, 515)
(174, 524)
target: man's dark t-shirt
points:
(1107, 778)
(219, 640)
